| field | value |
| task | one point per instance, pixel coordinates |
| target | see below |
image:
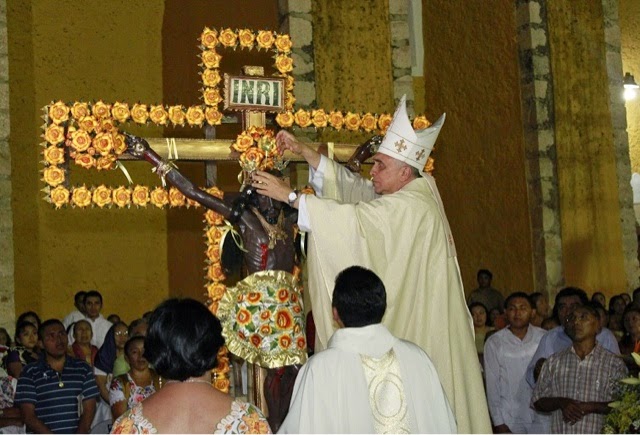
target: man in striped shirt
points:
(56, 393)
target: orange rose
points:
(209, 37)
(266, 330)
(352, 121)
(296, 309)
(101, 110)
(119, 145)
(256, 340)
(213, 252)
(284, 63)
(103, 143)
(139, 113)
(213, 116)
(222, 384)
(284, 319)
(282, 295)
(211, 96)
(214, 191)
(222, 367)
(246, 38)
(384, 121)
(216, 291)
(319, 118)
(107, 125)
(254, 297)
(251, 158)
(159, 197)
(243, 142)
(302, 117)
(265, 39)
(214, 272)
(296, 329)
(289, 82)
(88, 123)
(228, 38)
(284, 341)
(420, 122)
(289, 101)
(336, 119)
(81, 196)
(301, 343)
(293, 297)
(284, 119)
(91, 151)
(140, 196)
(102, 196)
(80, 140)
(79, 110)
(243, 317)
(213, 218)
(369, 122)
(211, 77)
(120, 111)
(176, 115)
(85, 160)
(283, 43)
(121, 196)
(53, 155)
(265, 315)
(211, 59)
(213, 307)
(58, 112)
(429, 166)
(53, 175)
(105, 162)
(59, 196)
(54, 134)
(195, 115)
(214, 235)
(193, 203)
(176, 198)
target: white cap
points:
(404, 143)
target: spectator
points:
(541, 305)
(79, 312)
(138, 328)
(137, 384)
(577, 384)
(599, 298)
(631, 339)
(480, 327)
(82, 347)
(636, 296)
(110, 360)
(57, 393)
(506, 356)
(602, 312)
(616, 309)
(114, 318)
(367, 380)
(29, 316)
(182, 345)
(626, 297)
(26, 349)
(549, 323)
(10, 416)
(497, 320)
(99, 325)
(485, 294)
(5, 338)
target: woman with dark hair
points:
(29, 316)
(616, 309)
(630, 341)
(182, 344)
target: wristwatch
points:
(292, 197)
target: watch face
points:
(292, 196)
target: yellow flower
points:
(101, 110)
(195, 115)
(214, 191)
(246, 38)
(140, 196)
(158, 115)
(81, 196)
(216, 291)
(283, 43)
(213, 116)
(243, 142)
(54, 134)
(88, 123)
(368, 122)
(176, 198)
(212, 96)
(105, 162)
(285, 119)
(213, 218)
(284, 319)
(103, 143)
(302, 117)
(284, 63)
(119, 145)
(384, 121)
(176, 115)
(214, 235)
(213, 252)
(107, 125)
(243, 317)
(102, 196)
(211, 59)
(120, 111)
(209, 38)
(319, 118)
(53, 176)
(159, 197)
(139, 113)
(211, 77)
(285, 341)
(336, 119)
(122, 196)
(215, 273)
(53, 155)
(58, 112)
(420, 122)
(79, 110)
(289, 101)
(59, 196)
(85, 160)
(352, 121)
(289, 82)
(265, 39)
(228, 38)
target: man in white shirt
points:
(506, 356)
(100, 325)
(367, 380)
(78, 313)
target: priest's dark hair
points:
(183, 339)
(359, 297)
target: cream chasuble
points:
(405, 239)
(369, 381)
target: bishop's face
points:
(386, 174)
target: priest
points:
(395, 225)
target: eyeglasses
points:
(120, 333)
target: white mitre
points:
(404, 143)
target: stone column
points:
(542, 178)
(7, 301)
(401, 52)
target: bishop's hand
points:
(136, 146)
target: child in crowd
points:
(25, 351)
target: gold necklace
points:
(274, 232)
(191, 381)
(60, 383)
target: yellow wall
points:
(471, 73)
(69, 50)
(629, 11)
(588, 184)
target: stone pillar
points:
(401, 52)
(7, 301)
(541, 171)
(621, 141)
